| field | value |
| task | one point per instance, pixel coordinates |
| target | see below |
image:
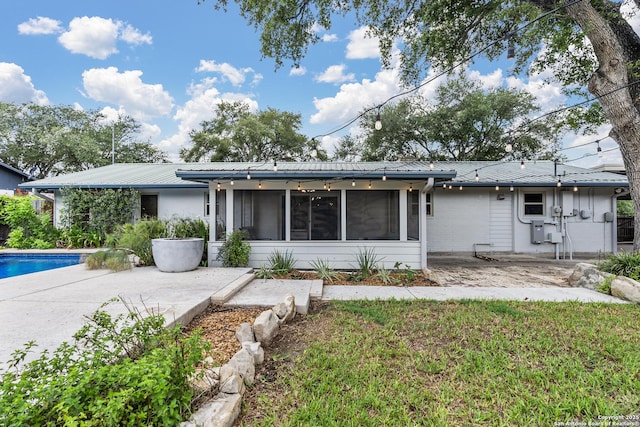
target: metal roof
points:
(183, 175)
(541, 173)
(312, 170)
(120, 175)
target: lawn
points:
(398, 363)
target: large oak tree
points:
(586, 44)
(49, 140)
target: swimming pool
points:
(18, 264)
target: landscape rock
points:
(204, 380)
(626, 288)
(255, 349)
(244, 333)
(244, 363)
(266, 327)
(221, 412)
(230, 380)
(285, 310)
(588, 276)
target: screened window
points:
(315, 216)
(260, 213)
(373, 215)
(534, 203)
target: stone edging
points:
(231, 378)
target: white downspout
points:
(423, 222)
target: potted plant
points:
(182, 248)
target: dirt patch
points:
(501, 272)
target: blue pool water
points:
(16, 265)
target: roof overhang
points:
(299, 175)
(540, 184)
(51, 187)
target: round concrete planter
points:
(177, 255)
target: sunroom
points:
(321, 210)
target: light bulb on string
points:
(410, 188)
(231, 182)
(353, 182)
(477, 176)
(248, 174)
(522, 164)
(431, 165)
(275, 166)
(559, 183)
(575, 186)
(369, 183)
(219, 186)
(460, 188)
(378, 124)
(260, 185)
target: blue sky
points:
(167, 63)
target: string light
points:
(329, 187)
(431, 165)
(444, 185)
(460, 188)
(559, 184)
(509, 147)
(497, 187)
(298, 186)
(260, 185)
(248, 173)
(384, 175)
(450, 186)
(275, 166)
(231, 182)
(378, 124)
(353, 182)
(369, 184)
(219, 185)
(511, 188)
(575, 186)
(410, 188)
(477, 176)
(324, 185)
(522, 164)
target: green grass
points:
(494, 363)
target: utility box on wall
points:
(537, 231)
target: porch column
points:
(287, 215)
(403, 214)
(423, 230)
(229, 213)
(213, 199)
(343, 215)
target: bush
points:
(137, 238)
(28, 229)
(281, 262)
(126, 371)
(112, 259)
(235, 251)
(367, 261)
(324, 270)
(622, 264)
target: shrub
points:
(367, 262)
(28, 229)
(112, 259)
(385, 276)
(264, 272)
(282, 262)
(137, 238)
(622, 264)
(324, 270)
(127, 370)
(180, 228)
(235, 251)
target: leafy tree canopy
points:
(237, 134)
(52, 140)
(465, 122)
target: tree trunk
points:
(608, 84)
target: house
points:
(402, 210)
(11, 178)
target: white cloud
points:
(16, 86)
(355, 97)
(134, 37)
(236, 76)
(298, 71)
(487, 81)
(39, 25)
(126, 89)
(204, 98)
(631, 13)
(329, 38)
(362, 46)
(335, 74)
(95, 37)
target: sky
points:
(168, 63)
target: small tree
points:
(235, 251)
